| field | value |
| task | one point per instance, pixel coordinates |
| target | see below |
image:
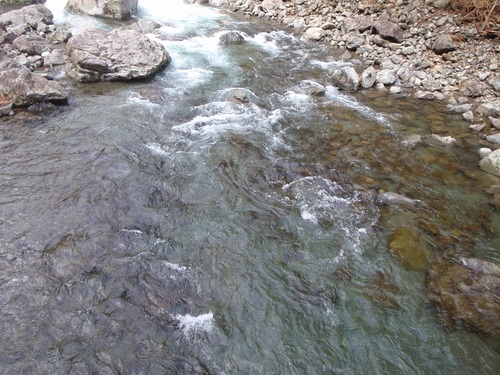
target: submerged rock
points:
(410, 248)
(116, 9)
(231, 37)
(119, 55)
(466, 294)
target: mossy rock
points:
(410, 248)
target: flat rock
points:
(119, 55)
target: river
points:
(157, 228)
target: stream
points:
(157, 228)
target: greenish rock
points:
(410, 248)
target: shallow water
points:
(155, 228)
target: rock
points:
(314, 33)
(56, 57)
(30, 15)
(394, 199)
(444, 44)
(491, 163)
(24, 88)
(31, 44)
(495, 83)
(495, 122)
(462, 108)
(116, 9)
(354, 41)
(477, 127)
(488, 109)
(441, 3)
(472, 88)
(447, 140)
(145, 26)
(231, 37)
(395, 90)
(5, 105)
(410, 248)
(425, 95)
(388, 30)
(119, 55)
(483, 152)
(238, 96)
(494, 138)
(386, 77)
(431, 85)
(61, 35)
(310, 88)
(465, 294)
(468, 116)
(368, 77)
(346, 79)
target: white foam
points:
(175, 267)
(156, 149)
(193, 324)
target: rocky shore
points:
(403, 47)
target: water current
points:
(157, 228)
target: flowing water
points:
(157, 228)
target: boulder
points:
(494, 138)
(473, 88)
(31, 44)
(465, 294)
(346, 79)
(231, 37)
(145, 26)
(24, 88)
(444, 44)
(115, 9)
(30, 15)
(494, 82)
(118, 55)
(388, 30)
(386, 76)
(368, 77)
(491, 163)
(314, 33)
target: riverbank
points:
(401, 46)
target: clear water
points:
(155, 228)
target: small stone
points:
(494, 138)
(386, 77)
(314, 33)
(491, 162)
(488, 109)
(460, 108)
(477, 127)
(447, 140)
(395, 90)
(368, 77)
(483, 152)
(425, 95)
(468, 116)
(495, 122)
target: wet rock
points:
(491, 163)
(231, 37)
(466, 294)
(395, 199)
(425, 95)
(24, 88)
(410, 248)
(444, 44)
(118, 55)
(30, 15)
(116, 9)
(368, 77)
(31, 44)
(310, 88)
(145, 26)
(383, 291)
(346, 79)
(238, 96)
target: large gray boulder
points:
(346, 79)
(24, 88)
(119, 55)
(116, 9)
(30, 15)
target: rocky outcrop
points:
(466, 294)
(23, 88)
(119, 55)
(116, 9)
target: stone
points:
(425, 95)
(431, 85)
(410, 248)
(495, 122)
(395, 90)
(314, 33)
(468, 116)
(477, 127)
(493, 138)
(386, 77)
(483, 152)
(462, 108)
(115, 9)
(61, 35)
(232, 37)
(465, 293)
(368, 77)
(441, 3)
(56, 57)
(30, 15)
(488, 109)
(444, 44)
(491, 163)
(238, 96)
(472, 88)
(310, 88)
(388, 30)
(346, 79)
(31, 44)
(354, 41)
(145, 26)
(24, 88)
(118, 55)
(395, 199)
(494, 82)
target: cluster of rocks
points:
(400, 46)
(35, 55)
